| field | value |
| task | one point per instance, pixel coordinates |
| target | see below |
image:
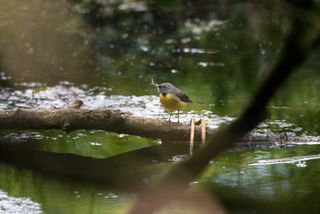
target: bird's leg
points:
(170, 116)
(178, 115)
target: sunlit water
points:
(11, 205)
(273, 171)
(36, 95)
(61, 96)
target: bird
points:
(172, 98)
(76, 104)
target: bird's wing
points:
(182, 96)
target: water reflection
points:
(230, 176)
(257, 179)
(60, 196)
(96, 144)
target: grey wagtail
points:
(172, 98)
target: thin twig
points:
(203, 131)
(191, 137)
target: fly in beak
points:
(155, 84)
(158, 87)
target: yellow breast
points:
(171, 102)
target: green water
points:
(107, 52)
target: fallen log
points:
(70, 119)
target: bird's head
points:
(165, 87)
